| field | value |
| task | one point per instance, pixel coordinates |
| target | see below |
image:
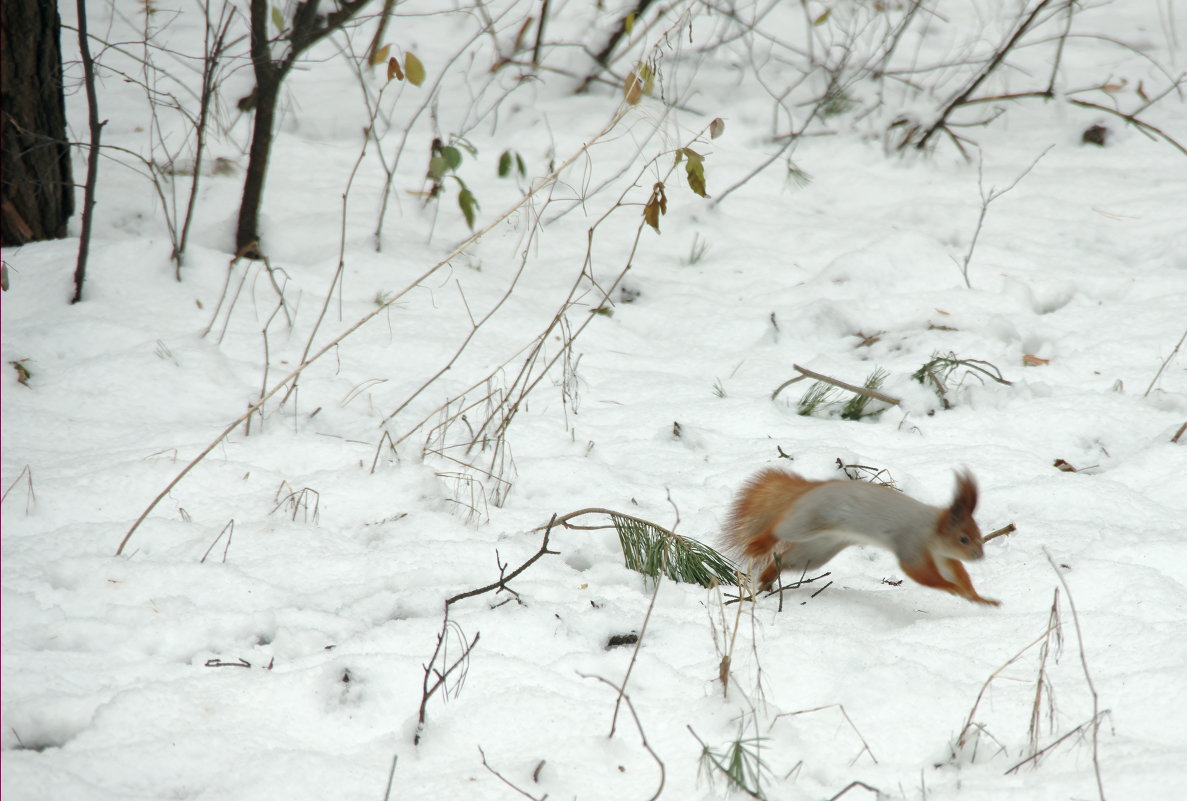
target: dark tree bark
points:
(36, 187)
(306, 28)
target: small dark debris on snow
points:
(619, 640)
(1096, 135)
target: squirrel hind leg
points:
(769, 576)
(780, 560)
(798, 558)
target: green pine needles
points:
(821, 398)
(739, 761)
(652, 550)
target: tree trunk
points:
(308, 27)
(36, 187)
(247, 236)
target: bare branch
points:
(863, 391)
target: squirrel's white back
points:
(861, 513)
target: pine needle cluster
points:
(652, 551)
(822, 398)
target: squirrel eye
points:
(964, 540)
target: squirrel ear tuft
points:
(965, 501)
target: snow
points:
(283, 657)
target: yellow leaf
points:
(632, 90)
(414, 69)
(380, 56)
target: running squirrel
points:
(788, 522)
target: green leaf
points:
(437, 167)
(469, 204)
(277, 18)
(453, 157)
(510, 159)
(628, 24)
(694, 166)
(413, 69)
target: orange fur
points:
(758, 508)
(929, 542)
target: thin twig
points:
(990, 66)
(1050, 746)
(642, 735)
(968, 724)
(1178, 434)
(96, 131)
(1157, 375)
(856, 783)
(563, 520)
(427, 691)
(1096, 713)
(380, 309)
(602, 58)
(987, 199)
(865, 747)
(391, 775)
(1042, 683)
(540, 32)
(634, 655)
(824, 379)
(1001, 532)
(507, 781)
(502, 582)
(230, 526)
(31, 496)
(1141, 125)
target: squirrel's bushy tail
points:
(750, 528)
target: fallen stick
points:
(865, 391)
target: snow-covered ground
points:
(266, 631)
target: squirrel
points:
(792, 523)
